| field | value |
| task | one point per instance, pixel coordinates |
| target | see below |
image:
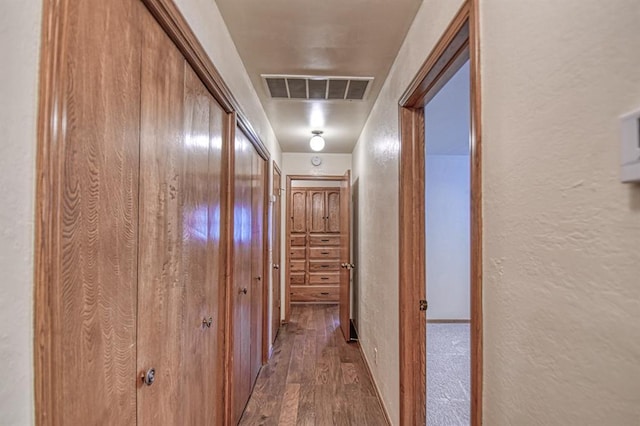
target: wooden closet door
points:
(299, 210)
(333, 210)
(257, 261)
(179, 252)
(317, 210)
(95, 230)
(241, 291)
(277, 218)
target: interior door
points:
(345, 255)
(257, 261)
(242, 276)
(277, 216)
(179, 305)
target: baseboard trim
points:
(375, 385)
(448, 321)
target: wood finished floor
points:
(314, 377)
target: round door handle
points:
(259, 278)
(243, 291)
(275, 266)
(149, 377)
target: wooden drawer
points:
(324, 252)
(296, 279)
(297, 265)
(324, 278)
(298, 240)
(298, 253)
(324, 293)
(324, 265)
(324, 240)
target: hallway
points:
(314, 377)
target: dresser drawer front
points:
(324, 240)
(324, 278)
(324, 253)
(297, 265)
(298, 253)
(314, 294)
(298, 240)
(297, 279)
(323, 266)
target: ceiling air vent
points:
(295, 87)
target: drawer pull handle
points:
(325, 241)
(325, 293)
(324, 252)
(324, 266)
(324, 278)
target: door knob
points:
(243, 291)
(259, 278)
(276, 266)
(149, 377)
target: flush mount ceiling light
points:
(317, 142)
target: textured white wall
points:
(375, 163)
(447, 229)
(562, 235)
(19, 44)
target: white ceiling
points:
(351, 38)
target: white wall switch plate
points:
(630, 150)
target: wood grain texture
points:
(299, 211)
(176, 27)
(333, 217)
(276, 299)
(477, 362)
(87, 209)
(458, 43)
(304, 382)
(345, 254)
(316, 212)
(165, 241)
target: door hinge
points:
(424, 305)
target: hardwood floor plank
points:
(290, 401)
(314, 377)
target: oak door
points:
(257, 261)
(91, 293)
(242, 289)
(277, 217)
(180, 308)
(345, 256)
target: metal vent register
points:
(317, 88)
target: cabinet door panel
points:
(333, 211)
(317, 215)
(298, 211)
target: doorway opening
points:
(318, 255)
(441, 233)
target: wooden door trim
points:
(444, 58)
(276, 222)
(175, 25)
(290, 178)
(266, 266)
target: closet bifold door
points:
(180, 290)
(88, 209)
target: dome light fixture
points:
(317, 141)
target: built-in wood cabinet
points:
(314, 245)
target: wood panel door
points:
(242, 276)
(257, 261)
(317, 210)
(299, 211)
(90, 219)
(277, 217)
(179, 293)
(345, 255)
